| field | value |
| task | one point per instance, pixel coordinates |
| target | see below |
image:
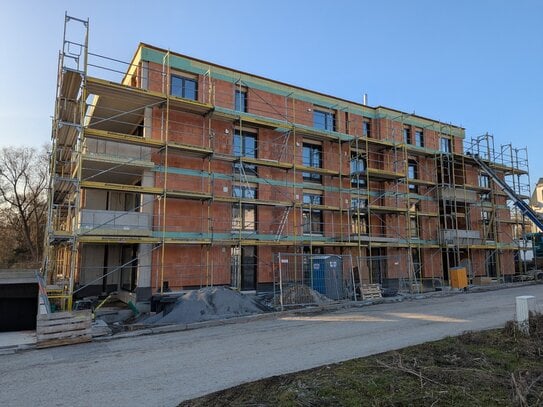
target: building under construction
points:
(172, 173)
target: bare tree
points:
(23, 200)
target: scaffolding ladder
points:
(282, 223)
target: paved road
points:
(166, 369)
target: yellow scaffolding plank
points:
(321, 134)
(70, 83)
(123, 138)
(115, 90)
(378, 142)
(115, 160)
(427, 214)
(145, 190)
(316, 170)
(190, 242)
(122, 187)
(188, 195)
(118, 239)
(482, 246)
(240, 117)
(61, 234)
(416, 181)
(231, 199)
(236, 117)
(264, 162)
(415, 150)
(146, 142)
(318, 207)
(382, 208)
(384, 174)
(189, 149)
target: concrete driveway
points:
(166, 369)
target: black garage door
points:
(18, 307)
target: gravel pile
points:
(207, 304)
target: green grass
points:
(491, 368)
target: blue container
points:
(327, 276)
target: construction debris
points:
(206, 304)
(100, 328)
(301, 294)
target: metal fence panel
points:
(312, 278)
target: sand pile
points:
(207, 304)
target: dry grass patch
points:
(500, 367)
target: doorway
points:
(244, 267)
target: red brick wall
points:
(191, 216)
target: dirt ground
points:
(166, 369)
(500, 367)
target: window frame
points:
(419, 138)
(366, 127)
(311, 162)
(243, 136)
(328, 122)
(241, 100)
(240, 149)
(359, 203)
(412, 165)
(484, 180)
(312, 219)
(448, 144)
(359, 168)
(360, 223)
(184, 79)
(407, 135)
(241, 212)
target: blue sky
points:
(477, 64)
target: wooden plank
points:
(72, 324)
(40, 330)
(61, 323)
(64, 335)
(65, 314)
(58, 321)
(71, 327)
(56, 315)
(61, 342)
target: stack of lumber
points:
(371, 291)
(63, 328)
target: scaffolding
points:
(178, 174)
(477, 217)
